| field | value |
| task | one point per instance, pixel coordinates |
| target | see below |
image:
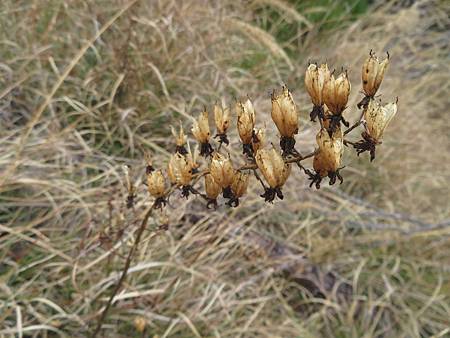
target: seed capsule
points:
(179, 170)
(331, 149)
(315, 79)
(180, 137)
(240, 183)
(192, 158)
(140, 324)
(272, 166)
(221, 170)
(378, 117)
(156, 183)
(336, 92)
(245, 120)
(284, 113)
(258, 139)
(222, 119)
(200, 128)
(372, 73)
(212, 189)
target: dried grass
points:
(64, 229)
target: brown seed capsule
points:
(336, 92)
(180, 137)
(245, 121)
(258, 139)
(222, 119)
(221, 170)
(179, 170)
(315, 79)
(240, 183)
(156, 183)
(378, 117)
(331, 149)
(272, 166)
(372, 73)
(284, 113)
(200, 128)
(212, 189)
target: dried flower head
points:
(274, 170)
(285, 116)
(156, 186)
(328, 158)
(315, 79)
(201, 132)
(240, 183)
(180, 139)
(212, 190)
(336, 92)
(221, 170)
(222, 119)
(245, 124)
(377, 118)
(179, 170)
(373, 73)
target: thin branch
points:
(124, 271)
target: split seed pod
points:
(180, 139)
(315, 79)
(212, 189)
(272, 166)
(200, 128)
(156, 183)
(372, 74)
(192, 158)
(240, 183)
(378, 118)
(221, 170)
(284, 113)
(245, 120)
(331, 149)
(222, 119)
(336, 92)
(179, 170)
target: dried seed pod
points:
(180, 139)
(274, 170)
(245, 124)
(179, 170)
(130, 186)
(201, 132)
(336, 92)
(221, 170)
(327, 160)
(315, 79)
(222, 119)
(156, 183)
(284, 113)
(285, 116)
(258, 139)
(240, 183)
(212, 188)
(372, 73)
(378, 117)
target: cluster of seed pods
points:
(329, 95)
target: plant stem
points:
(124, 271)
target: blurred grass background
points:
(65, 135)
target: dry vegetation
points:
(86, 86)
